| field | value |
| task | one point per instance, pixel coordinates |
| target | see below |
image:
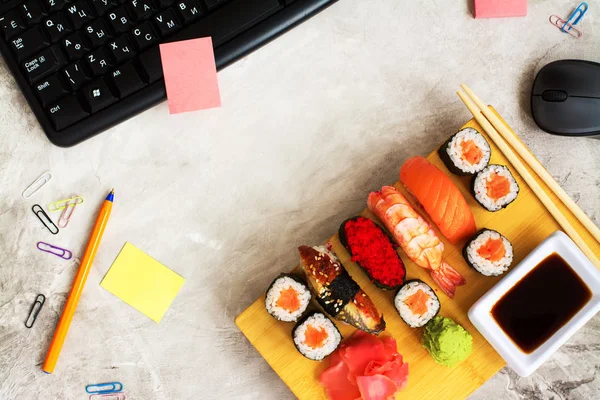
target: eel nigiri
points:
(335, 291)
(415, 236)
(440, 198)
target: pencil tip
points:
(112, 191)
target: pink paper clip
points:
(109, 396)
(57, 251)
(561, 23)
(69, 208)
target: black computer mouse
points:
(565, 99)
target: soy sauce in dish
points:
(541, 303)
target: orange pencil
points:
(84, 269)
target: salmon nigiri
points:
(440, 198)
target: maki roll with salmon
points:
(374, 252)
(316, 337)
(336, 292)
(466, 153)
(495, 187)
(417, 303)
(287, 298)
(489, 253)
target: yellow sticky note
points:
(142, 282)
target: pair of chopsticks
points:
(491, 124)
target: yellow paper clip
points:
(62, 204)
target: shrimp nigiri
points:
(415, 236)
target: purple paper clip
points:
(57, 251)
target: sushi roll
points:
(489, 253)
(316, 337)
(466, 153)
(372, 249)
(416, 303)
(495, 187)
(287, 298)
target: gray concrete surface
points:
(309, 125)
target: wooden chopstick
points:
(528, 178)
(534, 164)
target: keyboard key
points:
(125, 80)
(75, 76)
(96, 33)
(98, 62)
(165, 3)
(66, 112)
(79, 14)
(47, 62)
(28, 43)
(75, 46)
(150, 65)
(54, 5)
(121, 49)
(230, 20)
(143, 36)
(32, 11)
(212, 4)
(141, 9)
(97, 95)
(12, 24)
(119, 20)
(103, 6)
(189, 10)
(166, 22)
(49, 90)
(56, 28)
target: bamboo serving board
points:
(525, 222)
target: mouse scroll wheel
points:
(555, 95)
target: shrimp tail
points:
(447, 278)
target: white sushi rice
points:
(283, 283)
(321, 322)
(413, 320)
(454, 150)
(484, 266)
(480, 188)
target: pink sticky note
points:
(500, 8)
(190, 75)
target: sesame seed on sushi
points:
(287, 298)
(489, 253)
(495, 187)
(316, 337)
(466, 152)
(417, 303)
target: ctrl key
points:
(66, 112)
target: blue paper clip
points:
(575, 17)
(104, 388)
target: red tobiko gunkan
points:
(373, 251)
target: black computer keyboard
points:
(86, 65)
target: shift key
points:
(66, 112)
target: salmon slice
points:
(440, 198)
(417, 302)
(497, 186)
(492, 249)
(288, 300)
(471, 153)
(315, 337)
